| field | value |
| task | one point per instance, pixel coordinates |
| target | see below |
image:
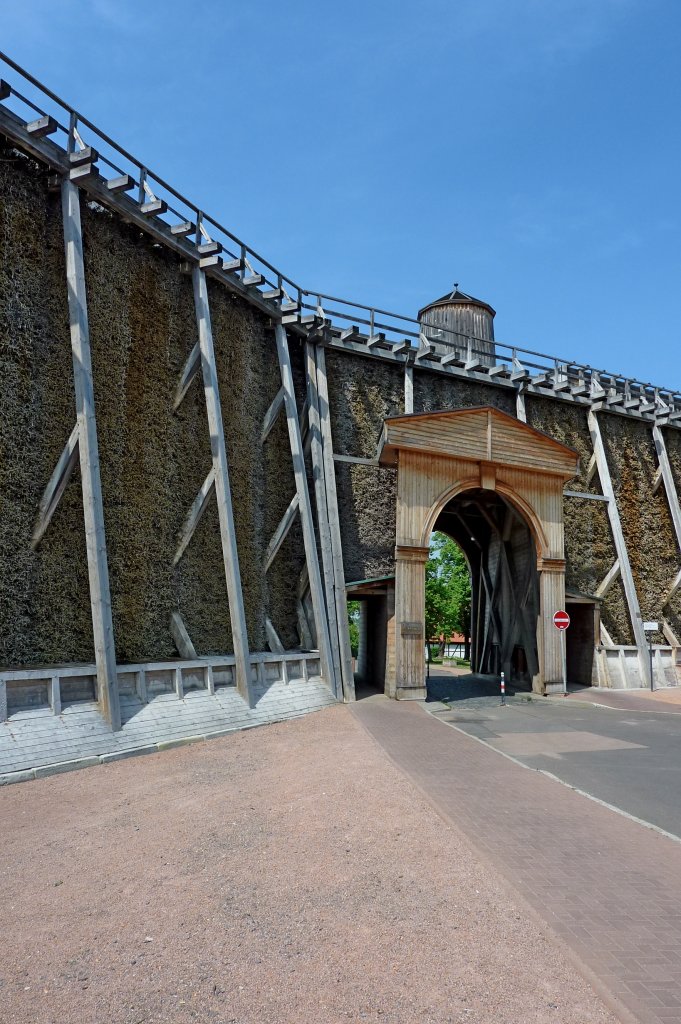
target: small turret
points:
(459, 321)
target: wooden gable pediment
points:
(481, 434)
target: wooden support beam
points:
(606, 583)
(54, 695)
(520, 411)
(88, 451)
(591, 469)
(56, 486)
(209, 679)
(230, 556)
(193, 517)
(318, 473)
(334, 527)
(355, 460)
(669, 634)
(181, 638)
(273, 641)
(303, 423)
(620, 544)
(45, 125)
(586, 495)
(141, 686)
(408, 388)
(189, 372)
(657, 480)
(309, 539)
(304, 631)
(606, 639)
(669, 484)
(281, 532)
(271, 415)
(672, 590)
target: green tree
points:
(353, 626)
(448, 590)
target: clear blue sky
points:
(528, 149)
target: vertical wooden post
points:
(408, 387)
(223, 493)
(141, 685)
(3, 700)
(54, 690)
(410, 613)
(334, 528)
(620, 545)
(316, 451)
(390, 678)
(93, 509)
(309, 539)
(209, 679)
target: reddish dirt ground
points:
(286, 874)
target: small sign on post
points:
(561, 620)
(651, 627)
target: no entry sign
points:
(561, 620)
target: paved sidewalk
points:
(665, 700)
(608, 887)
(282, 875)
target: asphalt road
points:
(629, 759)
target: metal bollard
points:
(503, 689)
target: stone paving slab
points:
(609, 888)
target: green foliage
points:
(353, 625)
(448, 589)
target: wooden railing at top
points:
(261, 280)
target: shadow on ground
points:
(446, 686)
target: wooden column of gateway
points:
(550, 641)
(222, 488)
(93, 510)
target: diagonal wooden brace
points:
(56, 486)
(194, 515)
(189, 372)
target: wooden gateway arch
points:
(440, 456)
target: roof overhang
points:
(479, 434)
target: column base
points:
(410, 693)
(554, 688)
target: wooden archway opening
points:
(500, 548)
(440, 456)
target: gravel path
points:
(286, 874)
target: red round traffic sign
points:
(561, 620)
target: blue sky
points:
(528, 149)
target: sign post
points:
(651, 627)
(561, 621)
